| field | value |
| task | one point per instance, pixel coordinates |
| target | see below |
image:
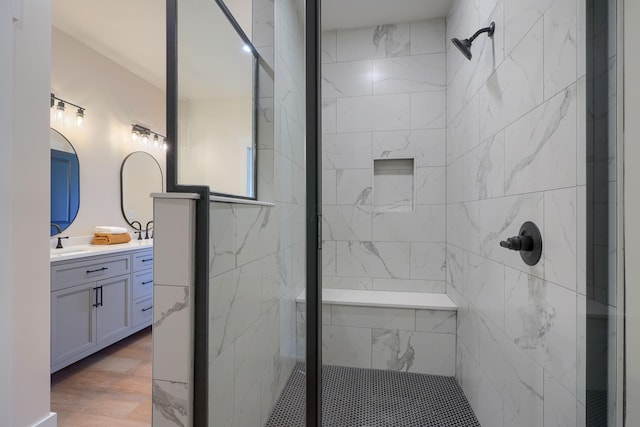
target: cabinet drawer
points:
(142, 283)
(142, 260)
(66, 275)
(143, 311)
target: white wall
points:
(114, 98)
(24, 212)
(515, 152)
(214, 135)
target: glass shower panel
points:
(602, 350)
(257, 247)
(217, 81)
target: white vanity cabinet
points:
(93, 302)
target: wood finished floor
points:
(110, 388)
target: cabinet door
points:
(73, 327)
(114, 312)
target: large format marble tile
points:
(346, 151)
(560, 46)
(170, 404)
(540, 147)
(463, 130)
(255, 226)
(515, 87)
(353, 78)
(482, 395)
(431, 186)
(520, 17)
(359, 283)
(514, 374)
(373, 317)
(346, 222)
(428, 36)
(428, 110)
(346, 346)
(382, 41)
(385, 260)
(354, 186)
(383, 112)
(222, 240)
(560, 242)
(540, 317)
(463, 225)
(172, 333)
(329, 116)
(329, 47)
(428, 261)
(235, 304)
(426, 146)
(426, 224)
(221, 383)
(405, 285)
(559, 404)
(436, 321)
(418, 73)
(411, 351)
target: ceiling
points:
(132, 34)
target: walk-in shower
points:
(367, 282)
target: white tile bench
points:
(403, 331)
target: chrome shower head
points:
(464, 46)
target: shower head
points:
(464, 46)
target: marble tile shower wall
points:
(384, 97)
(258, 252)
(515, 152)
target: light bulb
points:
(156, 143)
(134, 135)
(80, 118)
(145, 139)
(246, 48)
(60, 110)
(165, 147)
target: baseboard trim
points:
(49, 421)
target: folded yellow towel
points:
(110, 239)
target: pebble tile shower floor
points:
(356, 397)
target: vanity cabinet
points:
(95, 303)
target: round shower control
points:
(528, 242)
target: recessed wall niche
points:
(393, 185)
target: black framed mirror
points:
(140, 175)
(65, 183)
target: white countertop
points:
(84, 250)
(425, 301)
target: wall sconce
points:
(59, 106)
(145, 136)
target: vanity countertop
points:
(72, 252)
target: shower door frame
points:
(313, 214)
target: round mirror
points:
(65, 183)
(139, 177)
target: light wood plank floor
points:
(110, 388)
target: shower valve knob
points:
(518, 243)
(528, 243)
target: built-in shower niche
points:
(393, 185)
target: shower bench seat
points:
(402, 331)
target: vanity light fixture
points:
(58, 108)
(144, 135)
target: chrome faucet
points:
(138, 230)
(146, 230)
(57, 227)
